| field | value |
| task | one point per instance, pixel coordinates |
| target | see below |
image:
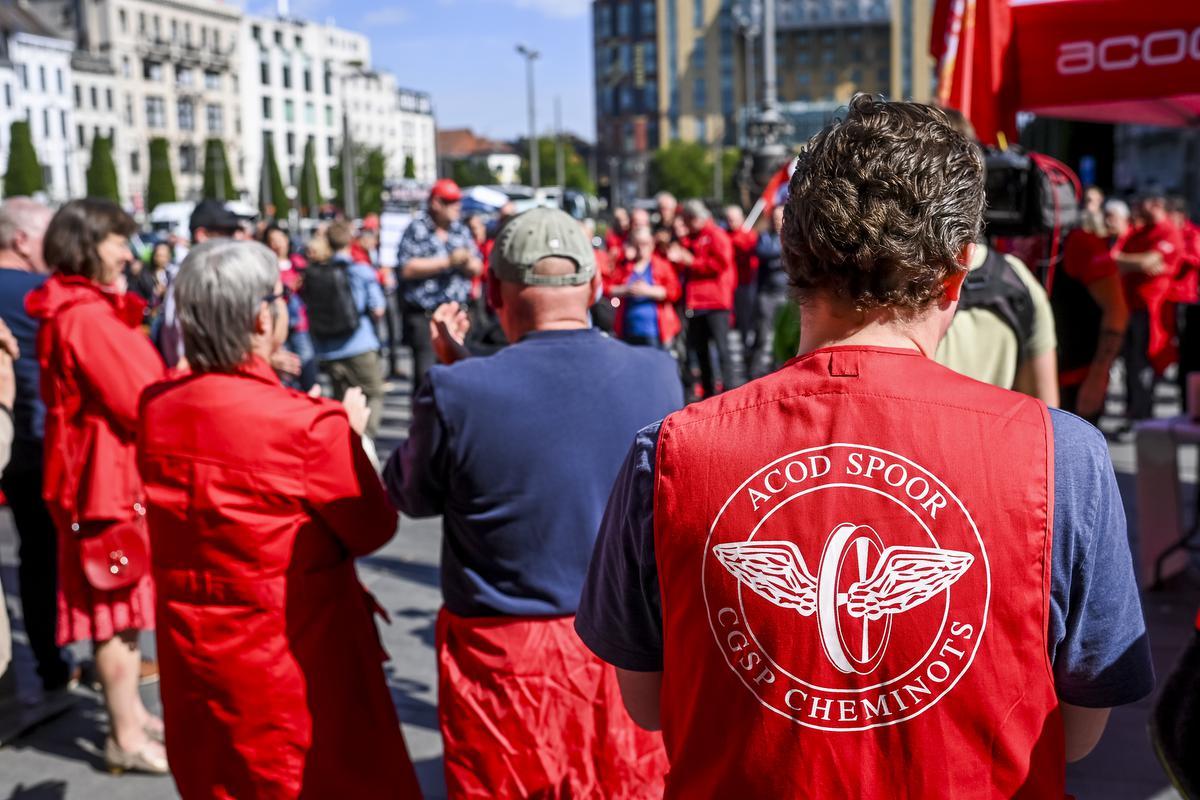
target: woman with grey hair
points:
(259, 499)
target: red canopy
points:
(1101, 60)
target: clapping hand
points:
(9, 352)
(355, 403)
(286, 362)
(448, 329)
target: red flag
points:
(972, 42)
(776, 191)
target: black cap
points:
(214, 217)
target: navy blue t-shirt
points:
(518, 451)
(1097, 635)
(28, 412)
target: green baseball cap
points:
(542, 233)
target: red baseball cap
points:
(446, 190)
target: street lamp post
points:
(768, 127)
(534, 168)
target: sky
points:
(464, 53)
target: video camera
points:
(1028, 193)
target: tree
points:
(370, 187)
(101, 172)
(410, 167)
(272, 196)
(310, 183)
(575, 173)
(161, 188)
(24, 174)
(682, 168)
(471, 172)
(218, 180)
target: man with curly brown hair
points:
(866, 575)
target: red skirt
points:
(527, 711)
(86, 614)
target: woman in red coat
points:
(95, 364)
(259, 499)
(645, 289)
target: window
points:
(215, 117)
(698, 13)
(291, 144)
(187, 159)
(174, 30)
(141, 22)
(328, 80)
(699, 93)
(23, 71)
(135, 162)
(330, 148)
(203, 37)
(699, 56)
(216, 40)
(94, 94)
(58, 74)
(123, 20)
(8, 95)
(156, 113)
(650, 57)
(308, 80)
(79, 132)
(42, 78)
(625, 59)
(126, 70)
(62, 124)
(108, 99)
(624, 20)
(212, 80)
(603, 21)
(625, 104)
(310, 114)
(279, 38)
(187, 33)
(187, 114)
(264, 70)
(650, 98)
(46, 122)
(183, 76)
(128, 110)
(256, 33)
(648, 21)
(289, 111)
(266, 108)
(299, 42)
(287, 77)
(329, 116)
(78, 96)
(152, 70)
(157, 26)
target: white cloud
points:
(553, 8)
(386, 17)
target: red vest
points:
(854, 557)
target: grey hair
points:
(22, 214)
(695, 209)
(218, 293)
(1117, 207)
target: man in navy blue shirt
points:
(518, 451)
(22, 268)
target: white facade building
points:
(35, 73)
(97, 113)
(176, 76)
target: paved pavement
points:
(64, 757)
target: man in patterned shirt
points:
(437, 259)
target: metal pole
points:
(534, 167)
(718, 177)
(751, 77)
(349, 178)
(770, 88)
(614, 185)
(560, 156)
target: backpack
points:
(997, 288)
(332, 312)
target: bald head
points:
(523, 308)
(23, 224)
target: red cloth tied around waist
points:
(527, 711)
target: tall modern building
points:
(692, 69)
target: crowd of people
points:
(616, 559)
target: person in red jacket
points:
(1186, 292)
(745, 256)
(94, 365)
(644, 290)
(618, 234)
(259, 500)
(1149, 259)
(709, 278)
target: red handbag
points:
(114, 557)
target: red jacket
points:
(663, 274)
(1187, 283)
(710, 279)
(94, 365)
(272, 680)
(745, 244)
(853, 556)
